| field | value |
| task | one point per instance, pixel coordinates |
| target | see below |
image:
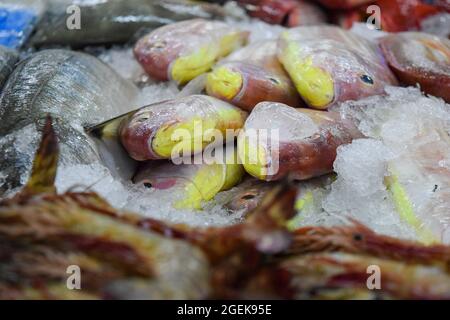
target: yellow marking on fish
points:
(314, 84)
(300, 204)
(208, 181)
(224, 83)
(231, 42)
(190, 135)
(405, 209)
(253, 157)
(186, 68)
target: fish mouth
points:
(186, 68)
(207, 182)
(224, 83)
(315, 85)
(168, 140)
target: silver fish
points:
(76, 89)
(8, 59)
(114, 21)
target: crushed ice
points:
(408, 140)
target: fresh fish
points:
(329, 65)
(410, 270)
(75, 88)
(114, 21)
(290, 13)
(184, 50)
(121, 255)
(43, 234)
(248, 195)
(420, 58)
(396, 15)
(346, 276)
(178, 127)
(278, 140)
(343, 4)
(18, 19)
(191, 184)
(239, 251)
(251, 75)
(8, 59)
(124, 256)
(332, 263)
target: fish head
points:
(136, 134)
(189, 184)
(356, 76)
(248, 195)
(327, 72)
(245, 84)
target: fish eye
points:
(248, 196)
(148, 185)
(274, 80)
(366, 79)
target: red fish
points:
(420, 58)
(343, 4)
(251, 75)
(396, 15)
(182, 51)
(290, 13)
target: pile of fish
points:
(330, 129)
(124, 256)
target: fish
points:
(192, 184)
(126, 256)
(247, 195)
(290, 13)
(252, 75)
(420, 58)
(123, 255)
(45, 234)
(18, 18)
(329, 65)
(113, 21)
(343, 4)
(8, 59)
(178, 127)
(333, 263)
(279, 141)
(237, 252)
(76, 89)
(338, 275)
(184, 50)
(396, 15)
(402, 260)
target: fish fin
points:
(109, 128)
(277, 206)
(43, 172)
